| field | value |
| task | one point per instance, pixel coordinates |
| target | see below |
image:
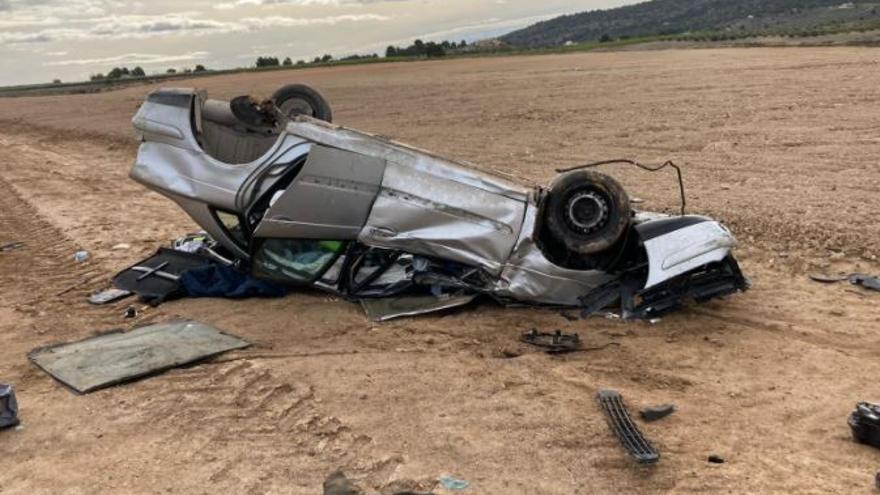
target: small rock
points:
(81, 256)
(130, 312)
(715, 459)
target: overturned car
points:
(302, 202)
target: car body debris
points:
(108, 296)
(119, 356)
(301, 202)
(626, 431)
(656, 413)
(865, 424)
(8, 407)
(554, 343)
(864, 280)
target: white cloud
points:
(142, 26)
(132, 59)
(250, 3)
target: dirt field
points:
(781, 144)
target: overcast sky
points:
(41, 40)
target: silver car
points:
(300, 201)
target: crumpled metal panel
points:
(529, 276)
(330, 198)
(418, 160)
(430, 205)
(686, 249)
(433, 215)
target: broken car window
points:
(295, 261)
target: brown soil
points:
(781, 144)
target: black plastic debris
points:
(866, 281)
(655, 413)
(715, 459)
(8, 407)
(130, 312)
(861, 279)
(157, 279)
(554, 343)
(627, 433)
(865, 424)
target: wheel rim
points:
(587, 211)
(297, 106)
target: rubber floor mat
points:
(119, 357)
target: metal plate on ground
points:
(119, 357)
(385, 309)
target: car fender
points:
(677, 245)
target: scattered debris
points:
(627, 433)
(130, 312)
(172, 274)
(81, 256)
(121, 247)
(555, 343)
(8, 407)
(865, 424)
(453, 483)
(655, 413)
(379, 310)
(157, 279)
(11, 246)
(861, 279)
(867, 281)
(118, 357)
(715, 459)
(108, 296)
(338, 484)
(224, 281)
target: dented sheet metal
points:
(330, 198)
(119, 357)
(529, 276)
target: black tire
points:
(299, 99)
(587, 212)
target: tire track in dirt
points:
(41, 279)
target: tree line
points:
(125, 73)
(420, 48)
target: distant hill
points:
(669, 17)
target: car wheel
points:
(299, 99)
(587, 211)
